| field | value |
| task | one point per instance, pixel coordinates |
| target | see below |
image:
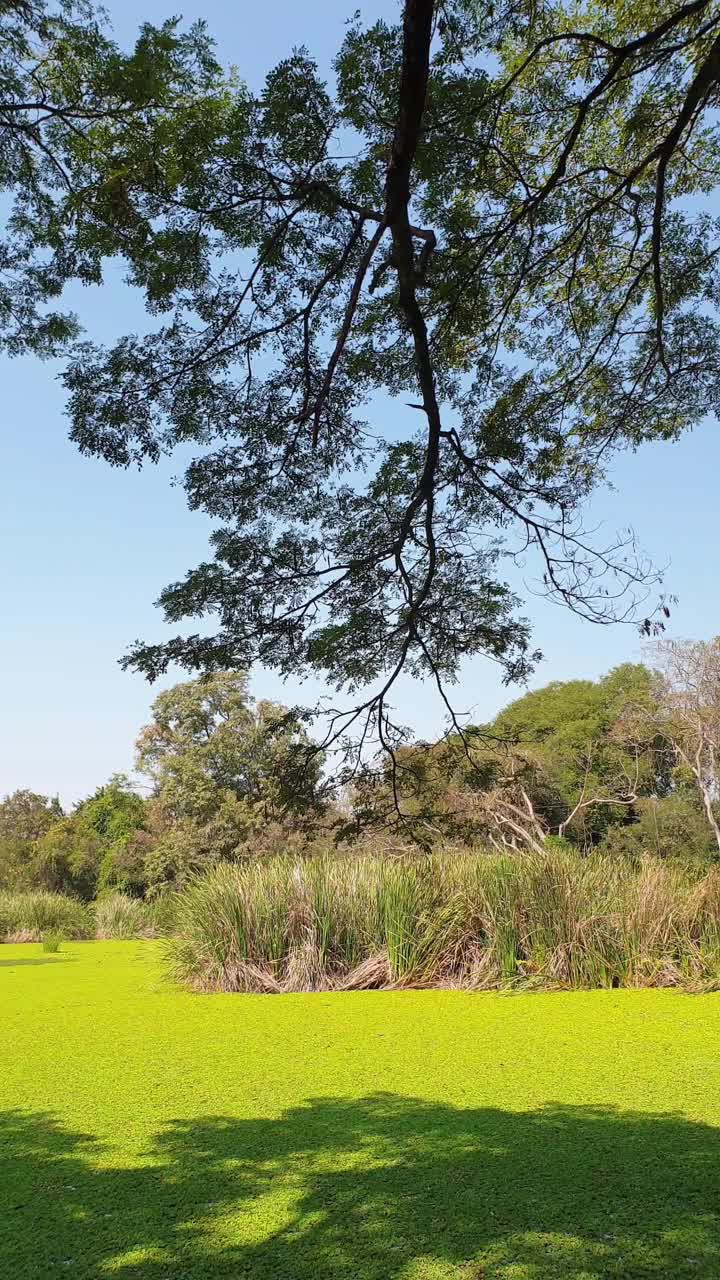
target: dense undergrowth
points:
(479, 922)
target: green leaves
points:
(86, 135)
(224, 770)
(408, 316)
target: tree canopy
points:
(76, 113)
(24, 818)
(79, 852)
(484, 217)
(494, 219)
(208, 735)
(227, 773)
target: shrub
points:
(26, 917)
(672, 827)
(553, 919)
(51, 941)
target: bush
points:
(26, 917)
(51, 942)
(554, 919)
(673, 827)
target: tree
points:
(668, 826)
(116, 814)
(79, 119)
(224, 769)
(687, 714)
(24, 817)
(65, 859)
(208, 736)
(507, 249)
(89, 849)
(584, 765)
(561, 760)
(41, 847)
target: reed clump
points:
(477, 921)
(27, 917)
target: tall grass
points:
(475, 921)
(119, 916)
(29, 917)
(25, 917)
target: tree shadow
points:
(13, 964)
(382, 1188)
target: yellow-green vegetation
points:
(152, 1134)
(482, 921)
(34, 915)
(25, 917)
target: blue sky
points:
(84, 549)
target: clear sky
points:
(84, 549)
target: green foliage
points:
(91, 849)
(51, 942)
(414, 1135)
(579, 763)
(82, 122)
(224, 771)
(671, 827)
(24, 818)
(115, 815)
(554, 919)
(516, 250)
(231, 779)
(28, 916)
(207, 738)
(66, 858)
(572, 736)
(568, 714)
(581, 766)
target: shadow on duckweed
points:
(381, 1188)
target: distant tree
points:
(25, 816)
(668, 826)
(87, 850)
(584, 766)
(559, 760)
(66, 859)
(686, 712)
(208, 736)
(115, 814)
(224, 769)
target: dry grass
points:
(473, 921)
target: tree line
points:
(224, 780)
(627, 763)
